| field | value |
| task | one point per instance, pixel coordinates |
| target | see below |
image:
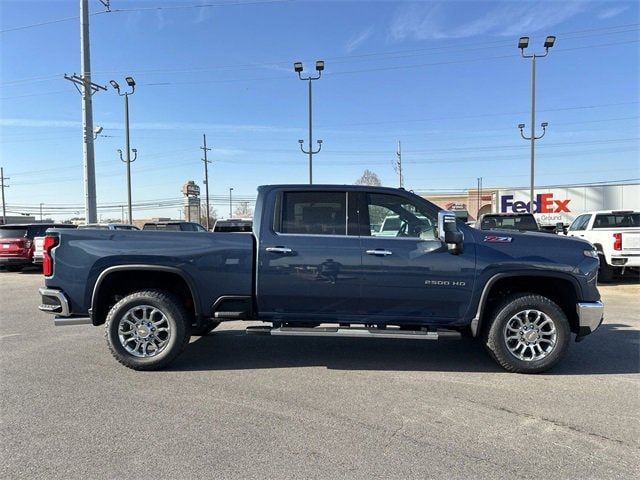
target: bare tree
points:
(369, 178)
(213, 215)
(243, 210)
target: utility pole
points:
(398, 164)
(41, 211)
(523, 43)
(297, 67)
(3, 186)
(206, 175)
(87, 88)
(479, 196)
(230, 202)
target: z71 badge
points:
(497, 239)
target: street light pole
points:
(230, 202)
(297, 67)
(523, 43)
(127, 145)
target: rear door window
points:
(580, 223)
(313, 213)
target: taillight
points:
(617, 241)
(50, 241)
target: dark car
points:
(233, 225)
(174, 227)
(17, 243)
(508, 221)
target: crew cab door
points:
(308, 257)
(408, 273)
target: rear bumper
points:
(590, 317)
(55, 301)
(625, 260)
(15, 261)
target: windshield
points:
(525, 222)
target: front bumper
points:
(590, 317)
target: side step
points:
(352, 332)
(231, 315)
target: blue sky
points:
(445, 78)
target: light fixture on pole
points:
(298, 68)
(127, 159)
(523, 43)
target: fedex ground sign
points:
(549, 208)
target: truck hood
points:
(542, 251)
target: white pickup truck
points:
(616, 236)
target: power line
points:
(140, 9)
(342, 58)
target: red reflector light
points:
(50, 241)
(617, 241)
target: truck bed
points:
(215, 264)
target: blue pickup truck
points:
(318, 264)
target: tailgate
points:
(631, 241)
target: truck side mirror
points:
(560, 228)
(448, 231)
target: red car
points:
(17, 246)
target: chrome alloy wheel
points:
(530, 335)
(144, 331)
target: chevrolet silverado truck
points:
(616, 237)
(314, 266)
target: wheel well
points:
(119, 284)
(560, 291)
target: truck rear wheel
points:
(529, 334)
(147, 330)
(606, 271)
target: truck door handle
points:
(379, 251)
(278, 249)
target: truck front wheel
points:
(147, 330)
(529, 334)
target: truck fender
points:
(476, 321)
(143, 267)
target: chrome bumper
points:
(590, 316)
(55, 301)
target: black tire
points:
(606, 273)
(207, 326)
(177, 320)
(496, 343)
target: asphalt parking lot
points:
(238, 406)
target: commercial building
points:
(552, 204)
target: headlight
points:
(590, 253)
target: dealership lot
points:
(237, 406)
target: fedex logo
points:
(544, 203)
